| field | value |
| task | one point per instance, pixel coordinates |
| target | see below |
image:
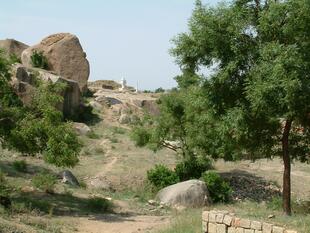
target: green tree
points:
(255, 102)
(37, 128)
(258, 96)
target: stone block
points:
(256, 231)
(221, 228)
(212, 217)
(239, 230)
(276, 229)
(245, 223)
(249, 231)
(236, 222)
(204, 227)
(290, 231)
(205, 216)
(219, 218)
(231, 230)
(256, 225)
(211, 227)
(267, 228)
(228, 220)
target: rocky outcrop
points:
(191, 193)
(12, 47)
(65, 57)
(24, 83)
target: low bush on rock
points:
(161, 177)
(219, 189)
(45, 182)
(39, 60)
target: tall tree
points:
(257, 97)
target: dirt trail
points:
(121, 224)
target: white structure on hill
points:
(124, 84)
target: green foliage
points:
(100, 205)
(14, 59)
(161, 176)
(159, 90)
(45, 182)
(20, 165)
(39, 60)
(218, 188)
(258, 52)
(191, 169)
(140, 136)
(40, 129)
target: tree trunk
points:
(287, 169)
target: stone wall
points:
(224, 222)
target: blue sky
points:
(122, 38)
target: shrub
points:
(97, 204)
(159, 90)
(192, 169)
(161, 176)
(140, 136)
(39, 60)
(219, 189)
(45, 182)
(20, 165)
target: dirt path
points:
(121, 224)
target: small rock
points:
(69, 178)
(271, 216)
(81, 128)
(151, 202)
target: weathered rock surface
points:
(11, 46)
(81, 128)
(69, 178)
(191, 193)
(65, 57)
(24, 80)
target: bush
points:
(219, 189)
(161, 176)
(140, 136)
(45, 182)
(39, 60)
(20, 166)
(97, 204)
(159, 90)
(191, 169)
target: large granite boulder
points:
(24, 83)
(191, 193)
(12, 47)
(65, 56)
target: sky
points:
(122, 38)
